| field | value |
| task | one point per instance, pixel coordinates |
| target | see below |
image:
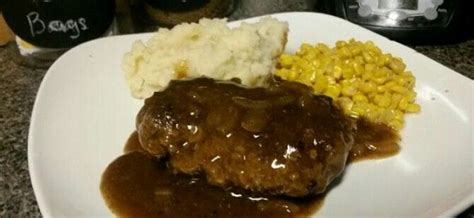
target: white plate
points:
(84, 113)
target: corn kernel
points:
(377, 50)
(379, 61)
(348, 90)
(398, 115)
(356, 50)
(384, 101)
(396, 124)
(310, 55)
(347, 72)
(333, 91)
(360, 98)
(371, 115)
(381, 72)
(323, 48)
(292, 75)
(400, 80)
(331, 80)
(410, 81)
(337, 72)
(369, 67)
(395, 100)
(397, 66)
(308, 70)
(359, 59)
(286, 60)
(368, 75)
(369, 44)
(316, 63)
(283, 73)
(320, 84)
(344, 53)
(340, 44)
(306, 47)
(411, 95)
(308, 76)
(344, 82)
(399, 89)
(380, 80)
(403, 103)
(390, 84)
(368, 87)
(381, 89)
(346, 103)
(359, 70)
(413, 108)
(362, 107)
(367, 57)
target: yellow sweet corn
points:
(363, 80)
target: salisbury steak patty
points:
(281, 139)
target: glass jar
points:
(46, 29)
(151, 14)
(252, 8)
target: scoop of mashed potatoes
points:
(208, 48)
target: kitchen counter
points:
(19, 85)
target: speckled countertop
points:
(18, 87)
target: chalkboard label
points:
(59, 23)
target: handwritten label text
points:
(70, 26)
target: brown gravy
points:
(138, 185)
(373, 141)
(133, 144)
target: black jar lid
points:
(177, 5)
(59, 23)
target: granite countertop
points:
(19, 84)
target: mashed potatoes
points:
(209, 48)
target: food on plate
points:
(364, 81)
(226, 130)
(217, 148)
(208, 48)
(282, 139)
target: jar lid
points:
(59, 23)
(177, 5)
